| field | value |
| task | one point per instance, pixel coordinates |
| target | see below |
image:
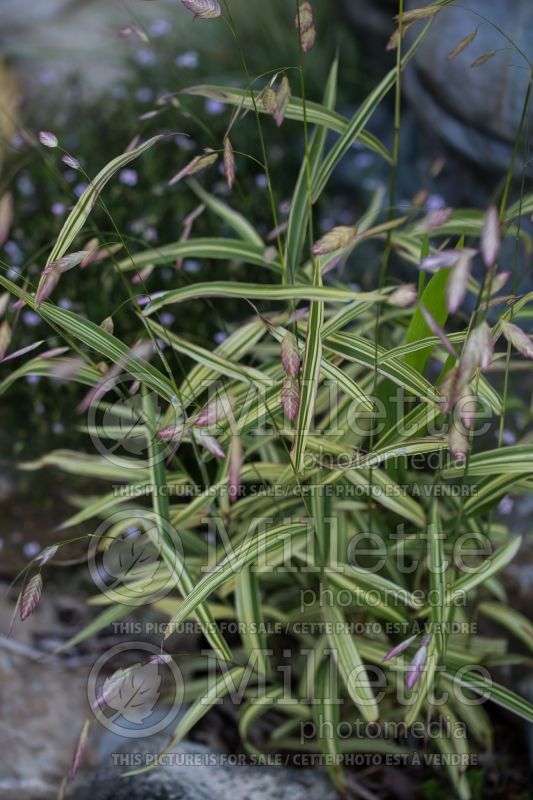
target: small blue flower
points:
(189, 60)
(159, 27)
(31, 319)
(213, 107)
(79, 189)
(144, 94)
(145, 57)
(128, 177)
(435, 202)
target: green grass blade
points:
(236, 221)
(77, 217)
(216, 690)
(516, 623)
(245, 554)
(437, 576)
(316, 113)
(299, 206)
(491, 566)
(217, 249)
(344, 649)
(257, 291)
(512, 459)
(171, 549)
(248, 605)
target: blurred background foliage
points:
(96, 122)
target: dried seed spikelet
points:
(290, 397)
(229, 163)
(203, 9)
(80, 749)
(336, 239)
(31, 596)
(483, 59)
(462, 45)
(518, 338)
(403, 296)
(305, 23)
(290, 357)
(275, 102)
(491, 237)
(196, 165)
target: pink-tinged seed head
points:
(48, 139)
(416, 667)
(399, 648)
(31, 596)
(290, 357)
(290, 398)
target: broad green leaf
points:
(103, 343)
(488, 493)
(326, 713)
(235, 347)
(362, 351)
(104, 503)
(516, 623)
(168, 540)
(210, 359)
(366, 578)
(46, 367)
(257, 291)
(434, 300)
(99, 623)
(316, 114)
(253, 710)
(90, 466)
(486, 687)
(245, 554)
(249, 613)
(452, 746)
(513, 459)
(296, 228)
(437, 576)
(217, 249)
(344, 650)
(310, 376)
(480, 574)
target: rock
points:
(475, 110)
(198, 773)
(43, 708)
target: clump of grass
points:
(327, 454)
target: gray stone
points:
(208, 778)
(43, 707)
(475, 110)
